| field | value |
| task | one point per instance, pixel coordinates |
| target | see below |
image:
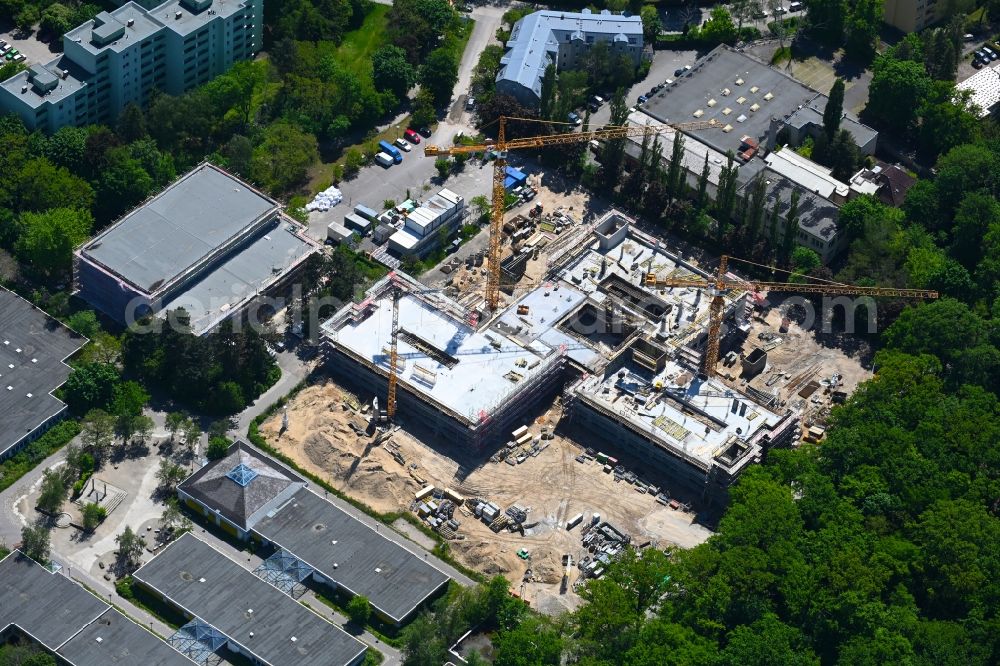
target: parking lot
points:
(34, 50)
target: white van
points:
(384, 159)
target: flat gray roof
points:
(203, 582)
(33, 348)
(49, 607)
(143, 26)
(67, 86)
(191, 21)
(394, 579)
(243, 274)
(65, 618)
(817, 215)
(745, 78)
(184, 225)
(114, 639)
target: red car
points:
(411, 136)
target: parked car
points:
(679, 71)
(403, 145)
(19, 57)
(978, 64)
(574, 118)
(795, 6)
(597, 99)
(643, 99)
(384, 160)
(424, 132)
(411, 136)
(470, 103)
(969, 37)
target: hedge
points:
(31, 455)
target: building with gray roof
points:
(229, 606)
(742, 94)
(552, 37)
(209, 243)
(123, 55)
(240, 487)
(350, 556)
(33, 352)
(251, 495)
(69, 621)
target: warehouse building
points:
(553, 37)
(229, 608)
(33, 352)
(123, 55)
(252, 496)
(70, 622)
(208, 243)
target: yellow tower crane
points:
(722, 284)
(501, 147)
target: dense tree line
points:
(216, 374)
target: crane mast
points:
(720, 284)
(501, 148)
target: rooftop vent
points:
(178, 15)
(130, 22)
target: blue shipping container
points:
(387, 147)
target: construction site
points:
(577, 417)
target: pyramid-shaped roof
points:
(242, 483)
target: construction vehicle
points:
(503, 145)
(723, 283)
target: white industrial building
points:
(420, 233)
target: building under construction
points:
(626, 357)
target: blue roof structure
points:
(513, 178)
(242, 475)
(537, 40)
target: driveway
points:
(416, 173)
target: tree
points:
(283, 158)
(359, 610)
(650, 23)
(93, 514)
(66, 146)
(130, 547)
(56, 20)
(173, 519)
(424, 113)
(218, 447)
(142, 427)
(47, 239)
(26, 18)
(35, 542)
(438, 74)
(946, 120)
(192, 433)
(85, 323)
(533, 641)
(898, 89)
(975, 216)
(131, 123)
(98, 431)
(834, 109)
(480, 207)
(718, 29)
(804, 260)
(963, 169)
(842, 155)
(825, 20)
(91, 386)
(391, 71)
(53, 492)
(862, 30)
(443, 166)
(175, 422)
(123, 184)
(169, 474)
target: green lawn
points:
(355, 52)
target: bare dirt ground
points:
(802, 361)
(553, 487)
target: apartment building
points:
(561, 38)
(122, 56)
(912, 15)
